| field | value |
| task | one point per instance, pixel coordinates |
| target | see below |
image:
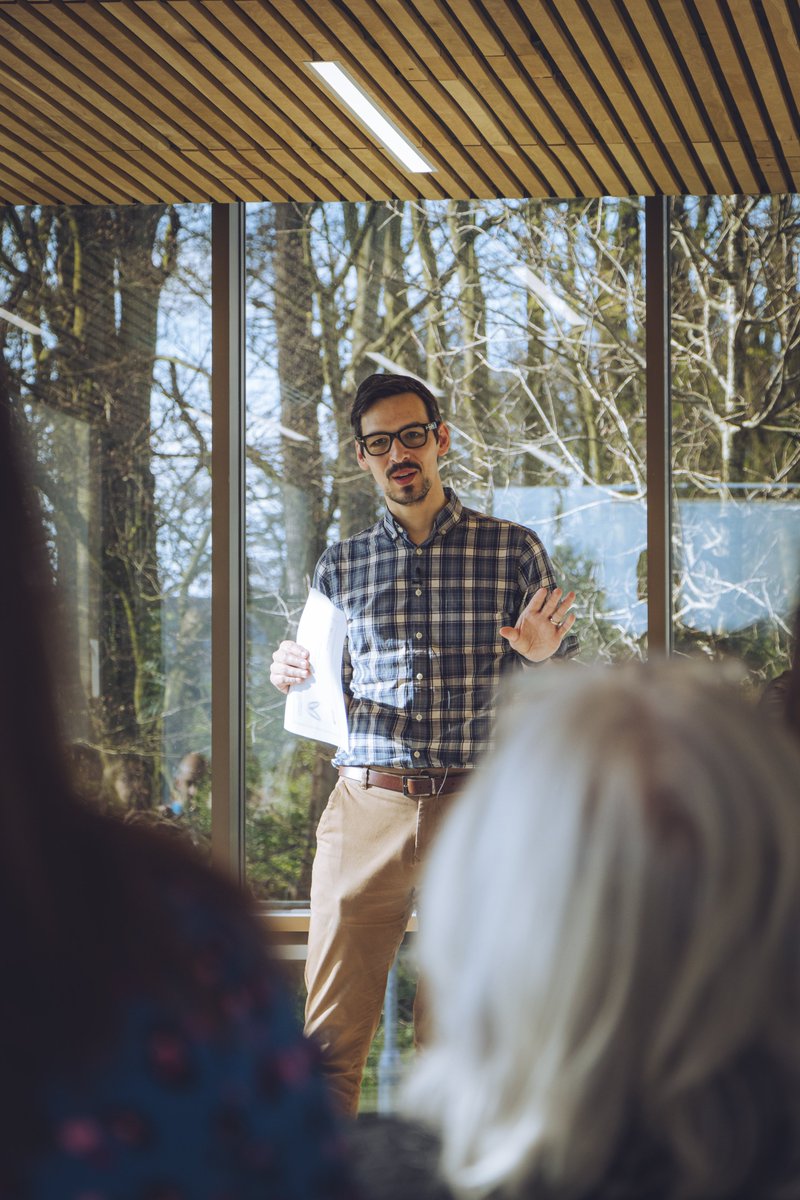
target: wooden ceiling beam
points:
(785, 141)
(47, 54)
(257, 85)
(139, 101)
(786, 35)
(212, 144)
(49, 122)
(668, 69)
(19, 175)
(259, 123)
(448, 131)
(574, 104)
(617, 70)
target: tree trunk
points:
(472, 407)
(132, 669)
(301, 384)
(358, 502)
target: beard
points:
(413, 492)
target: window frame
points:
(228, 502)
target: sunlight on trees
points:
(528, 320)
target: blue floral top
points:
(217, 1097)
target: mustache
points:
(409, 466)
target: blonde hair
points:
(610, 933)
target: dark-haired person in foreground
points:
(620, 1020)
(442, 604)
(147, 1045)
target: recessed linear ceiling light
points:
(360, 105)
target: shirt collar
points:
(445, 519)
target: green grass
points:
(406, 988)
(369, 1085)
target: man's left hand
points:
(542, 625)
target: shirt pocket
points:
(467, 624)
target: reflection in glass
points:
(526, 319)
(736, 420)
(109, 357)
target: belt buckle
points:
(418, 778)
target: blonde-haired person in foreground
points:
(611, 940)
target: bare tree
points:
(92, 279)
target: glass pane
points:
(108, 342)
(528, 319)
(736, 418)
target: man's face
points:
(189, 779)
(404, 476)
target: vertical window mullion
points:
(228, 571)
(659, 427)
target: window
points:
(109, 352)
(736, 426)
(527, 320)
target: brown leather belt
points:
(426, 783)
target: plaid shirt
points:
(424, 658)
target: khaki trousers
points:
(370, 843)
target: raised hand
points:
(542, 626)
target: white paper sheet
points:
(315, 708)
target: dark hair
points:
(81, 897)
(376, 387)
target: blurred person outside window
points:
(190, 787)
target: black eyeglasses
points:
(410, 436)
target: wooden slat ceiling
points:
(197, 100)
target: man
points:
(441, 602)
(189, 784)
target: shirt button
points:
(417, 636)
(418, 717)
(416, 754)
(418, 551)
(418, 592)
(420, 676)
